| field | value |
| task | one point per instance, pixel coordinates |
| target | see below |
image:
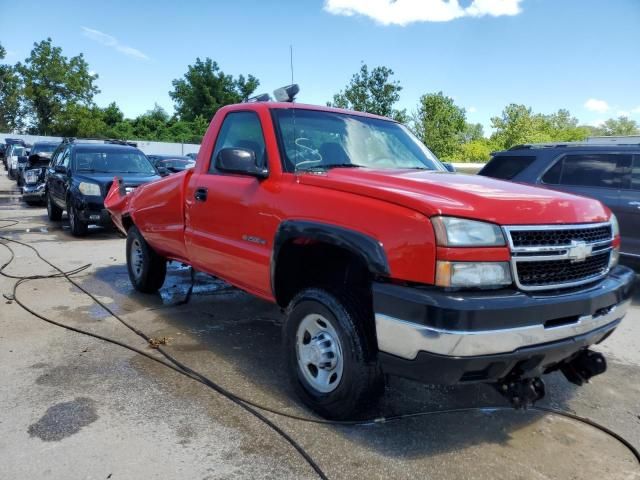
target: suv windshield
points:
(128, 161)
(43, 148)
(313, 139)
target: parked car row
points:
(75, 175)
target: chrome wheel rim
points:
(319, 353)
(135, 258)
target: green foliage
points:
(54, 83)
(205, 88)
(478, 150)
(617, 126)
(440, 123)
(10, 97)
(372, 92)
(518, 124)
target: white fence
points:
(158, 148)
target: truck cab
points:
(383, 260)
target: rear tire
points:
(147, 269)
(331, 361)
(78, 227)
(53, 212)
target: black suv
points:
(607, 172)
(81, 174)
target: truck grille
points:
(529, 238)
(555, 272)
(549, 257)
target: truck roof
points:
(286, 105)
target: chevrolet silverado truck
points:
(384, 262)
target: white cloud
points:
(636, 110)
(596, 123)
(110, 41)
(623, 113)
(472, 109)
(596, 105)
(404, 12)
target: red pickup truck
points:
(385, 262)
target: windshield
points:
(113, 162)
(313, 139)
(17, 151)
(43, 148)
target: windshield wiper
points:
(320, 168)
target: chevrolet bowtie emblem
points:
(578, 251)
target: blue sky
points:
(549, 54)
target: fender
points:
(367, 248)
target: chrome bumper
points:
(405, 339)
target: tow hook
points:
(586, 365)
(522, 392)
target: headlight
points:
(459, 232)
(473, 274)
(91, 189)
(615, 228)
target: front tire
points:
(331, 361)
(78, 227)
(53, 211)
(147, 269)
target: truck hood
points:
(469, 196)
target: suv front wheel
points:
(53, 211)
(331, 362)
(78, 227)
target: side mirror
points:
(449, 167)
(240, 160)
(60, 169)
(162, 171)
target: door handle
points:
(201, 194)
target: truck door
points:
(225, 227)
(629, 212)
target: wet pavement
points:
(72, 406)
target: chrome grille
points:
(549, 257)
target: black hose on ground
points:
(249, 405)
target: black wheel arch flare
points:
(365, 247)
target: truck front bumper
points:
(448, 337)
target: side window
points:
(64, 161)
(588, 170)
(241, 130)
(55, 158)
(635, 173)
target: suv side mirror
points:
(449, 167)
(60, 169)
(162, 171)
(240, 160)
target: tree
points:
(205, 88)
(620, 126)
(53, 82)
(372, 92)
(439, 123)
(76, 120)
(471, 132)
(10, 95)
(478, 150)
(112, 115)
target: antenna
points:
(291, 61)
